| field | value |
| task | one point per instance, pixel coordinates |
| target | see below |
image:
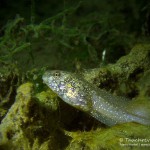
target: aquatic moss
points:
(9, 80)
(30, 125)
(49, 99)
(110, 138)
(122, 76)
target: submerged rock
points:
(41, 121)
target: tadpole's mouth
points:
(46, 77)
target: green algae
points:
(48, 99)
(9, 80)
(111, 138)
(29, 125)
(122, 77)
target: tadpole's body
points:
(82, 95)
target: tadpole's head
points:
(55, 80)
(68, 87)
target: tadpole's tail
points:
(142, 120)
(141, 113)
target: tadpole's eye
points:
(57, 74)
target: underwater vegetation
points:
(78, 37)
(106, 44)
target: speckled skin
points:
(82, 95)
